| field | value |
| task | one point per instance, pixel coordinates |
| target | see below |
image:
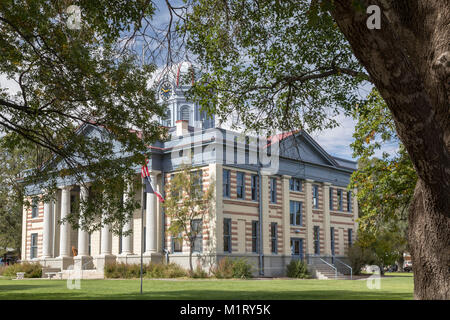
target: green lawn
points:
(393, 286)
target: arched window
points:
(185, 113)
(167, 119)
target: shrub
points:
(32, 270)
(198, 273)
(224, 269)
(359, 257)
(242, 269)
(297, 269)
(173, 270)
(228, 268)
(151, 270)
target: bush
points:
(198, 273)
(228, 268)
(359, 257)
(297, 269)
(32, 270)
(173, 270)
(224, 269)
(242, 269)
(151, 270)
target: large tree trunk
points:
(408, 60)
(429, 244)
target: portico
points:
(95, 250)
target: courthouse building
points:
(275, 200)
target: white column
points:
(83, 236)
(151, 229)
(64, 248)
(127, 241)
(106, 239)
(47, 248)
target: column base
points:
(104, 259)
(154, 257)
(64, 262)
(83, 262)
(129, 258)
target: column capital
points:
(285, 176)
(309, 180)
(328, 184)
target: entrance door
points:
(297, 248)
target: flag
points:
(149, 187)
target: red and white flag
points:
(149, 187)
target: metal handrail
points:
(351, 270)
(335, 269)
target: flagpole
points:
(142, 231)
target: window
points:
(196, 228)
(227, 235)
(240, 188)
(197, 184)
(185, 113)
(296, 213)
(350, 239)
(315, 196)
(226, 183)
(332, 240)
(331, 199)
(34, 208)
(295, 184)
(297, 248)
(177, 243)
(255, 236)
(34, 248)
(339, 198)
(349, 201)
(255, 182)
(316, 240)
(274, 236)
(273, 190)
(167, 119)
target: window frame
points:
(315, 188)
(255, 236)
(332, 241)
(350, 237)
(340, 198)
(254, 186)
(295, 210)
(240, 176)
(316, 240)
(295, 184)
(198, 237)
(331, 198)
(174, 239)
(227, 237)
(273, 190)
(34, 246)
(349, 201)
(274, 237)
(34, 208)
(226, 174)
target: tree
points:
(385, 185)
(11, 196)
(188, 206)
(74, 75)
(283, 64)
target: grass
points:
(393, 287)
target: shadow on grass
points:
(212, 295)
